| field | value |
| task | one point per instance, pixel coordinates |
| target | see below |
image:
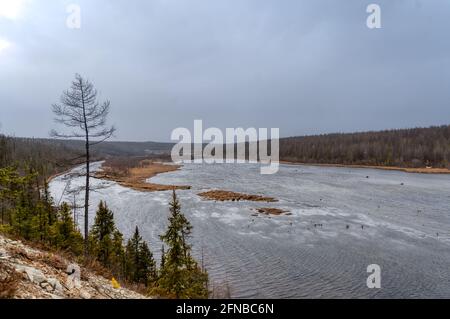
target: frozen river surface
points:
(342, 221)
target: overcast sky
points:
(304, 66)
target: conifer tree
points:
(132, 255)
(48, 205)
(118, 255)
(140, 265)
(163, 257)
(180, 277)
(146, 268)
(64, 233)
(102, 234)
(22, 217)
(45, 216)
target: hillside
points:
(29, 273)
(416, 147)
(109, 148)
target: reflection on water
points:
(342, 220)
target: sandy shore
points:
(136, 177)
(420, 170)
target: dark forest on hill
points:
(416, 147)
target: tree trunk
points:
(86, 200)
(86, 194)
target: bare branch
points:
(106, 135)
(55, 134)
(80, 110)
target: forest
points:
(29, 213)
(415, 147)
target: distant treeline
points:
(111, 148)
(55, 153)
(416, 147)
(41, 156)
(409, 148)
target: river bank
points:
(419, 170)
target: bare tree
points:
(80, 110)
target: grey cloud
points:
(304, 66)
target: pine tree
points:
(140, 265)
(46, 215)
(21, 194)
(63, 232)
(132, 255)
(102, 235)
(30, 214)
(163, 257)
(146, 268)
(118, 255)
(48, 205)
(180, 277)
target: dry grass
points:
(427, 170)
(134, 174)
(420, 170)
(220, 195)
(19, 253)
(271, 211)
(9, 281)
(96, 268)
(54, 261)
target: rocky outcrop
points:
(30, 273)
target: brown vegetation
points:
(271, 211)
(133, 173)
(9, 281)
(421, 170)
(220, 195)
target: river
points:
(341, 220)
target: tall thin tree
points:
(80, 110)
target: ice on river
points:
(342, 220)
